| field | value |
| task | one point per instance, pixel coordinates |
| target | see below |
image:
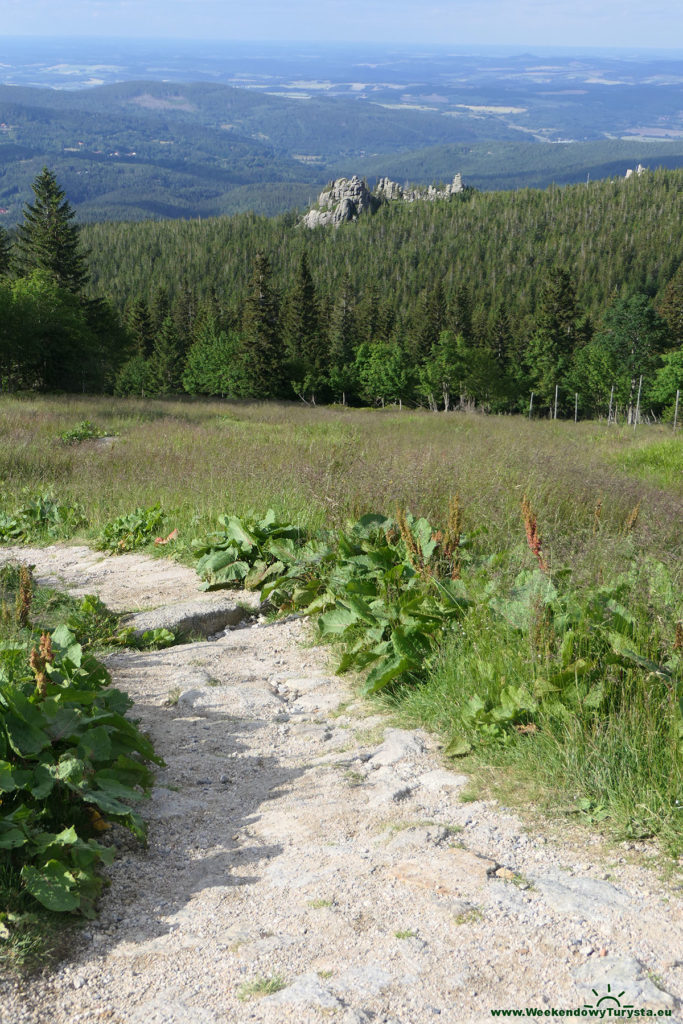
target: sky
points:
(566, 23)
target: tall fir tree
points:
(5, 253)
(166, 360)
(301, 321)
(260, 333)
(671, 306)
(48, 239)
(557, 335)
(141, 328)
(431, 322)
(159, 308)
(184, 314)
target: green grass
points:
(260, 987)
(325, 465)
(661, 463)
(619, 770)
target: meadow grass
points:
(608, 500)
(326, 465)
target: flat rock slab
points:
(367, 980)
(202, 616)
(439, 779)
(590, 898)
(447, 872)
(398, 745)
(169, 1010)
(625, 975)
(306, 989)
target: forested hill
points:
(614, 237)
(141, 149)
(572, 295)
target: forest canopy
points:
(475, 301)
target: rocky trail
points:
(296, 837)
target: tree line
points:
(579, 290)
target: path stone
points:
(398, 745)
(619, 974)
(201, 616)
(440, 779)
(169, 1010)
(585, 897)
(368, 980)
(448, 873)
(306, 989)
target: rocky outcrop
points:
(392, 191)
(347, 198)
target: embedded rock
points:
(202, 616)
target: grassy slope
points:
(327, 465)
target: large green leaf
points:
(95, 744)
(24, 739)
(53, 885)
(11, 836)
(621, 647)
(336, 621)
(12, 777)
(423, 532)
(236, 530)
(385, 672)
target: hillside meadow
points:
(596, 727)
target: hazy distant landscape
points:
(151, 130)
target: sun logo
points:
(610, 997)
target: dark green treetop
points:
(47, 239)
(5, 252)
(260, 324)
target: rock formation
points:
(347, 198)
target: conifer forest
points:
(565, 302)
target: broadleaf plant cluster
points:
(70, 762)
(392, 591)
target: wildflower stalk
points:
(39, 660)
(532, 534)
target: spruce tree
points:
(5, 252)
(47, 239)
(261, 334)
(301, 328)
(141, 328)
(558, 333)
(671, 306)
(166, 359)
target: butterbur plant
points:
(69, 763)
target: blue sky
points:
(622, 23)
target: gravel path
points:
(296, 837)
